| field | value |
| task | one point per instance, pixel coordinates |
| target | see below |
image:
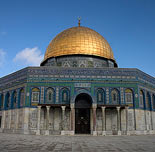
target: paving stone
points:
(83, 143)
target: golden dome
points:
(79, 40)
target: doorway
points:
(83, 104)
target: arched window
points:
(50, 95)
(14, 99)
(21, 97)
(35, 96)
(153, 98)
(141, 98)
(128, 96)
(7, 100)
(115, 96)
(148, 101)
(1, 101)
(65, 95)
(100, 96)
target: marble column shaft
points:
(103, 119)
(152, 119)
(126, 109)
(63, 117)
(3, 119)
(72, 117)
(118, 119)
(47, 117)
(94, 118)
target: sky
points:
(27, 27)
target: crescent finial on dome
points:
(79, 21)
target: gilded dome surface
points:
(79, 40)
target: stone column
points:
(47, 120)
(3, 119)
(63, 120)
(103, 121)
(38, 125)
(145, 116)
(72, 119)
(94, 106)
(17, 118)
(127, 129)
(118, 121)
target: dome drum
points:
(80, 61)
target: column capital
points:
(103, 108)
(72, 105)
(118, 108)
(94, 105)
(48, 107)
(39, 107)
(63, 108)
(126, 107)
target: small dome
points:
(79, 41)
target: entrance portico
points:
(83, 104)
(82, 118)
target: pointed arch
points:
(115, 96)
(128, 96)
(35, 96)
(141, 98)
(21, 97)
(100, 96)
(148, 101)
(65, 95)
(14, 99)
(1, 101)
(7, 100)
(49, 95)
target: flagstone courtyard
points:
(81, 143)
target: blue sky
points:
(27, 27)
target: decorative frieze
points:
(107, 95)
(122, 95)
(42, 95)
(57, 94)
(82, 85)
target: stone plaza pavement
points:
(83, 143)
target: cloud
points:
(2, 57)
(29, 57)
(3, 33)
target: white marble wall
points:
(140, 120)
(131, 122)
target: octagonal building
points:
(78, 89)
